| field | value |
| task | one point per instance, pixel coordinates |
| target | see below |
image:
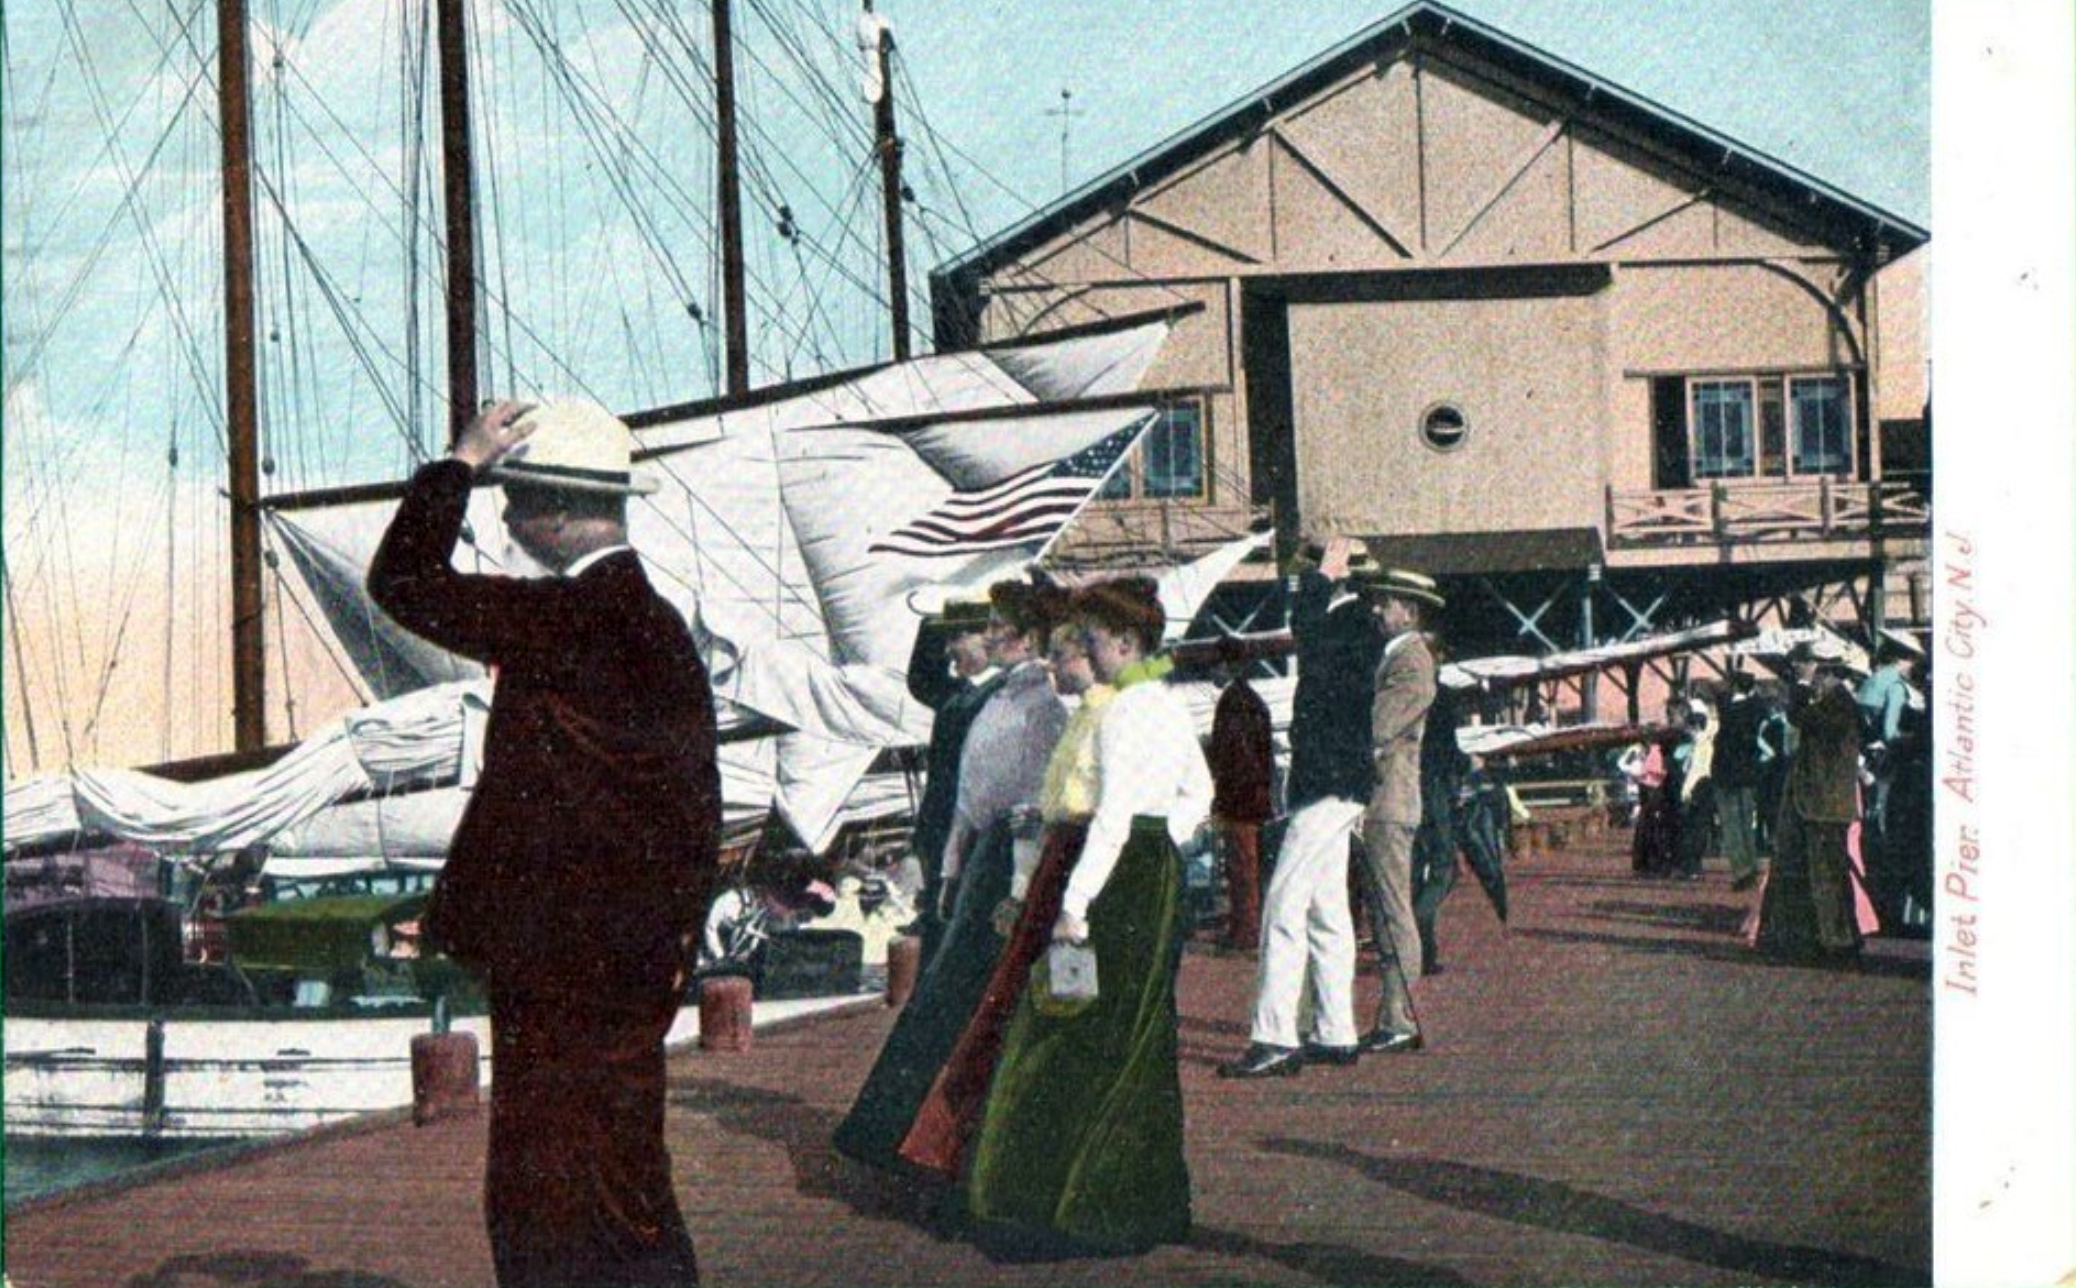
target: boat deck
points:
(1617, 1092)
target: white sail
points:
(418, 739)
(1184, 589)
(386, 786)
(759, 534)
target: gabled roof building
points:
(1597, 367)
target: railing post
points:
(1608, 534)
(1874, 508)
(155, 1078)
(1719, 514)
(1824, 503)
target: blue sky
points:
(1841, 91)
(595, 186)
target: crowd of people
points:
(1034, 1071)
(1048, 1118)
(1815, 787)
(1069, 780)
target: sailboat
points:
(803, 596)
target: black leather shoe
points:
(1261, 1060)
(1386, 1042)
(1323, 1053)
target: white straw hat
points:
(575, 446)
(1396, 583)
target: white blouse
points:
(1148, 761)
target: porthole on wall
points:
(1444, 427)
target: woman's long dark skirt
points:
(1081, 1135)
(1655, 847)
(950, 988)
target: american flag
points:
(1028, 506)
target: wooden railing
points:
(1757, 512)
(1144, 532)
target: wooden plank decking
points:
(1616, 1093)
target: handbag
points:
(1064, 979)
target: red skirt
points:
(951, 1110)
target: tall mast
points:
(241, 387)
(457, 165)
(888, 145)
(734, 312)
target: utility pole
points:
(241, 387)
(458, 168)
(734, 310)
(879, 88)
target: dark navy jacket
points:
(1338, 649)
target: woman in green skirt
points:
(1080, 1138)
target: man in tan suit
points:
(1405, 689)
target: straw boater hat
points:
(1822, 649)
(576, 446)
(1395, 583)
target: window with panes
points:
(1168, 462)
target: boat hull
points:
(252, 1074)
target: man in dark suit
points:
(1307, 933)
(1736, 769)
(950, 672)
(1242, 753)
(1405, 690)
(580, 872)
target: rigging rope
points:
(106, 679)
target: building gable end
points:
(1362, 141)
(1099, 251)
(1223, 205)
(1619, 195)
(1748, 232)
(1475, 138)
(1528, 217)
(1319, 226)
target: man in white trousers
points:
(1306, 926)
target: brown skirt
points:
(951, 1110)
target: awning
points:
(1459, 553)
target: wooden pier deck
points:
(1616, 1092)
